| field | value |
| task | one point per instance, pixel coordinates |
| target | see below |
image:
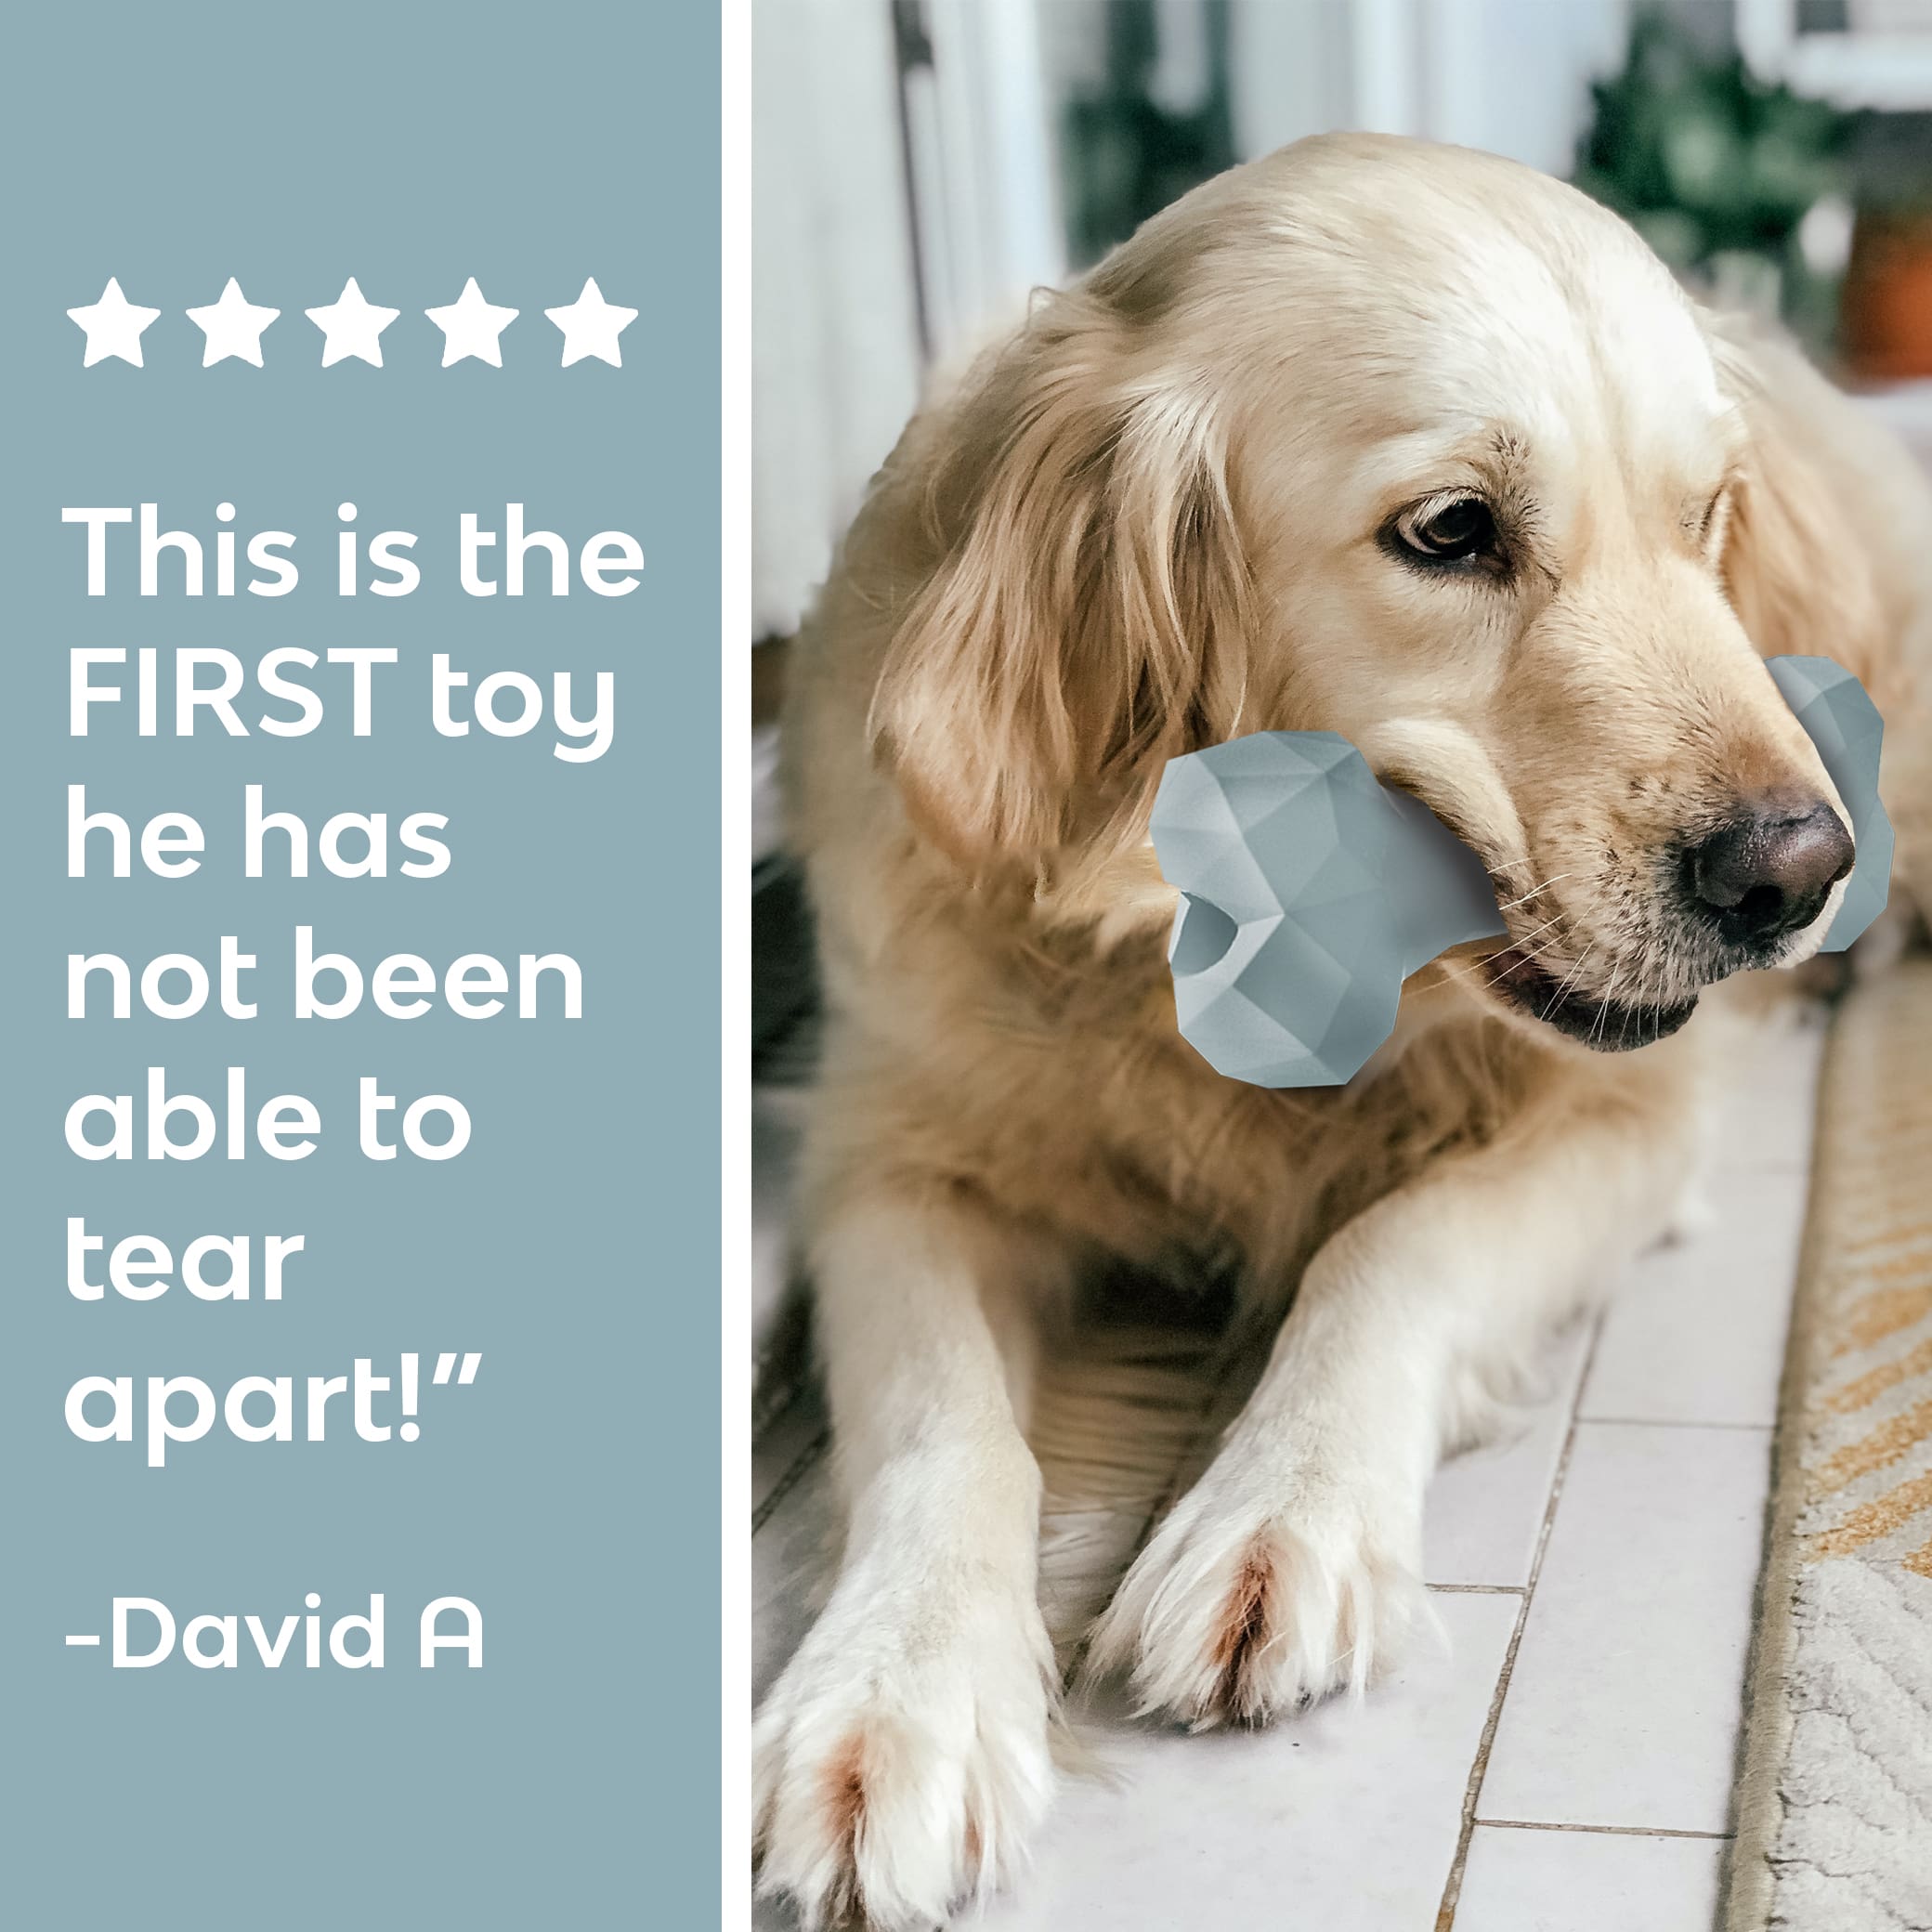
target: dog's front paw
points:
(1259, 1595)
(900, 1764)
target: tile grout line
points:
(1477, 1590)
(791, 1478)
(1451, 1889)
(1763, 1428)
(1602, 1831)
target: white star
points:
(233, 327)
(350, 326)
(591, 326)
(113, 326)
(471, 327)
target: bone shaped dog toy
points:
(1310, 891)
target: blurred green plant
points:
(1125, 155)
(1712, 165)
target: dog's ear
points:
(1087, 617)
(1797, 571)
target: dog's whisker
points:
(1604, 1007)
(1526, 955)
(1564, 984)
(1523, 898)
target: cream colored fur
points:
(1151, 520)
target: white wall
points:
(835, 350)
(1511, 76)
(984, 173)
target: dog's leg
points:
(1291, 1568)
(902, 1758)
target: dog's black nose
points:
(1768, 871)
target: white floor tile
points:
(1695, 1331)
(1486, 1509)
(1766, 1121)
(1587, 1882)
(1345, 1819)
(1622, 1708)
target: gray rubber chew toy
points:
(1843, 724)
(1310, 891)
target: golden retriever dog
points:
(1400, 441)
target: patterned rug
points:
(1835, 1801)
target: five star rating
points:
(352, 326)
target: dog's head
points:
(1422, 448)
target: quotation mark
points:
(410, 1431)
(232, 327)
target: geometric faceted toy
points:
(1310, 891)
(1843, 724)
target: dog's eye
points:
(1447, 530)
(1709, 528)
